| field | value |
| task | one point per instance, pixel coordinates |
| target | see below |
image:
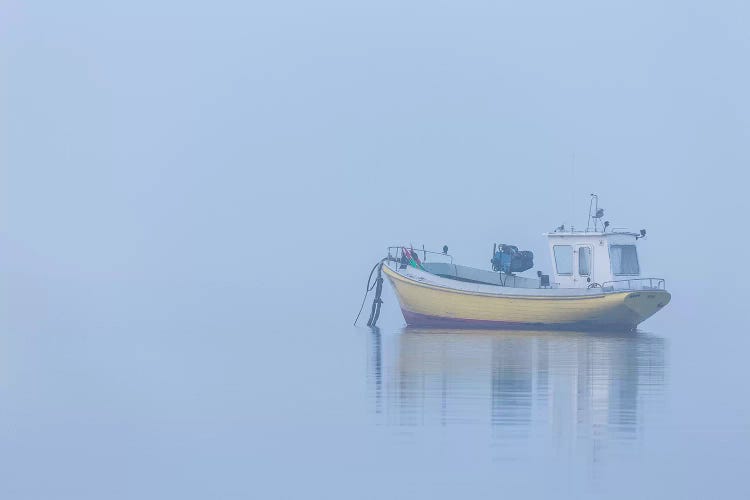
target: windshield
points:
(624, 260)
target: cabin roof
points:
(578, 234)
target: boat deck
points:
(464, 285)
(474, 275)
(467, 279)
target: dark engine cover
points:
(509, 259)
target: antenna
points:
(572, 191)
(597, 214)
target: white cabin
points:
(585, 259)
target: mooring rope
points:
(375, 313)
(379, 284)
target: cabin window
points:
(563, 259)
(584, 261)
(624, 260)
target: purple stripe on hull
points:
(423, 320)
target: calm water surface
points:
(191, 393)
(586, 392)
(562, 414)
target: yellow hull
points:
(429, 305)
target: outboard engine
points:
(508, 259)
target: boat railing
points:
(395, 253)
(635, 284)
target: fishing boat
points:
(595, 284)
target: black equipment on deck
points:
(508, 259)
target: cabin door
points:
(564, 260)
(583, 257)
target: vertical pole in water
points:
(375, 312)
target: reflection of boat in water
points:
(596, 284)
(574, 385)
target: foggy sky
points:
(179, 138)
(192, 194)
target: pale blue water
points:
(145, 390)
